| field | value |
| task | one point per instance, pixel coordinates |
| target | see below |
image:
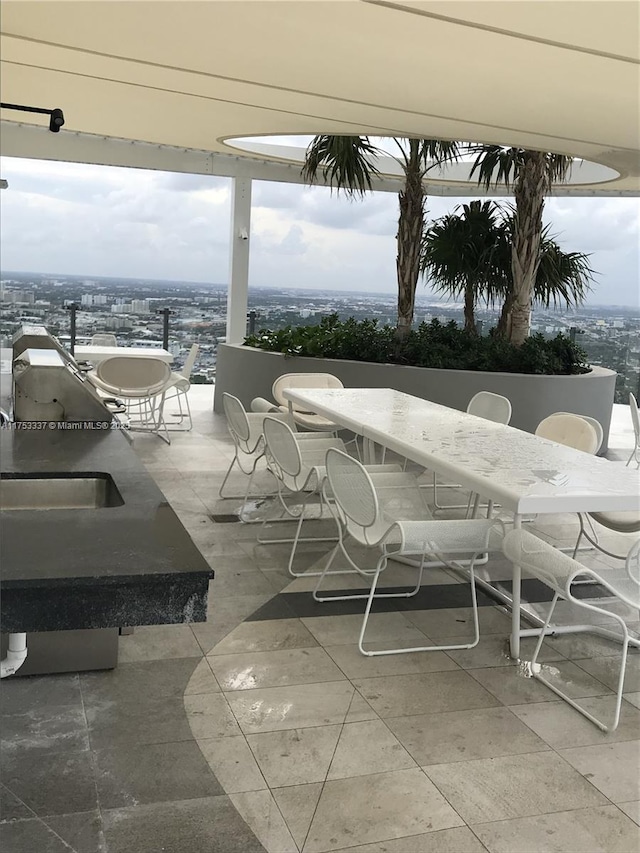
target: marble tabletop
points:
(100, 353)
(521, 471)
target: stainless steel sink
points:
(58, 491)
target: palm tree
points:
(461, 254)
(471, 253)
(347, 162)
(532, 173)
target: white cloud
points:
(98, 220)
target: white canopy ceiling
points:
(557, 75)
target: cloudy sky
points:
(105, 221)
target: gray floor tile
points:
(298, 804)
(45, 727)
(514, 685)
(189, 826)
(265, 636)
(368, 747)
(263, 817)
(356, 665)
(596, 830)
(493, 650)
(231, 582)
(464, 735)
(19, 694)
(202, 680)
(607, 670)
(576, 646)
(82, 832)
(377, 808)
(383, 629)
(224, 615)
(31, 836)
(11, 808)
(513, 786)
(458, 622)
(431, 692)
(632, 810)
(460, 839)
(562, 727)
(233, 764)
(137, 719)
(296, 756)
(300, 706)
(147, 679)
(51, 783)
(274, 669)
(612, 768)
(158, 642)
(153, 774)
(209, 715)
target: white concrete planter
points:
(247, 373)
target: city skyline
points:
(98, 221)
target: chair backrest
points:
(102, 340)
(594, 423)
(635, 416)
(282, 452)
(353, 492)
(237, 421)
(134, 375)
(190, 361)
(492, 407)
(570, 430)
(302, 380)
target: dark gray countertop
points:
(140, 544)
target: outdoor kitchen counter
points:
(114, 566)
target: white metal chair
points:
(619, 522)
(104, 340)
(302, 417)
(141, 383)
(388, 515)
(179, 385)
(299, 468)
(491, 407)
(246, 430)
(299, 471)
(570, 430)
(560, 572)
(635, 419)
(594, 423)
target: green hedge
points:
(434, 344)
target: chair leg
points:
(379, 652)
(535, 668)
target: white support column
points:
(238, 293)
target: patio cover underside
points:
(557, 76)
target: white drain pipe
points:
(16, 655)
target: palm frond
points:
(495, 164)
(346, 163)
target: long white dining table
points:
(522, 472)
(96, 354)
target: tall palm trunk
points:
(470, 308)
(410, 228)
(530, 188)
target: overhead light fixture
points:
(56, 117)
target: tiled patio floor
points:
(265, 729)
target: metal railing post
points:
(73, 308)
(166, 312)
